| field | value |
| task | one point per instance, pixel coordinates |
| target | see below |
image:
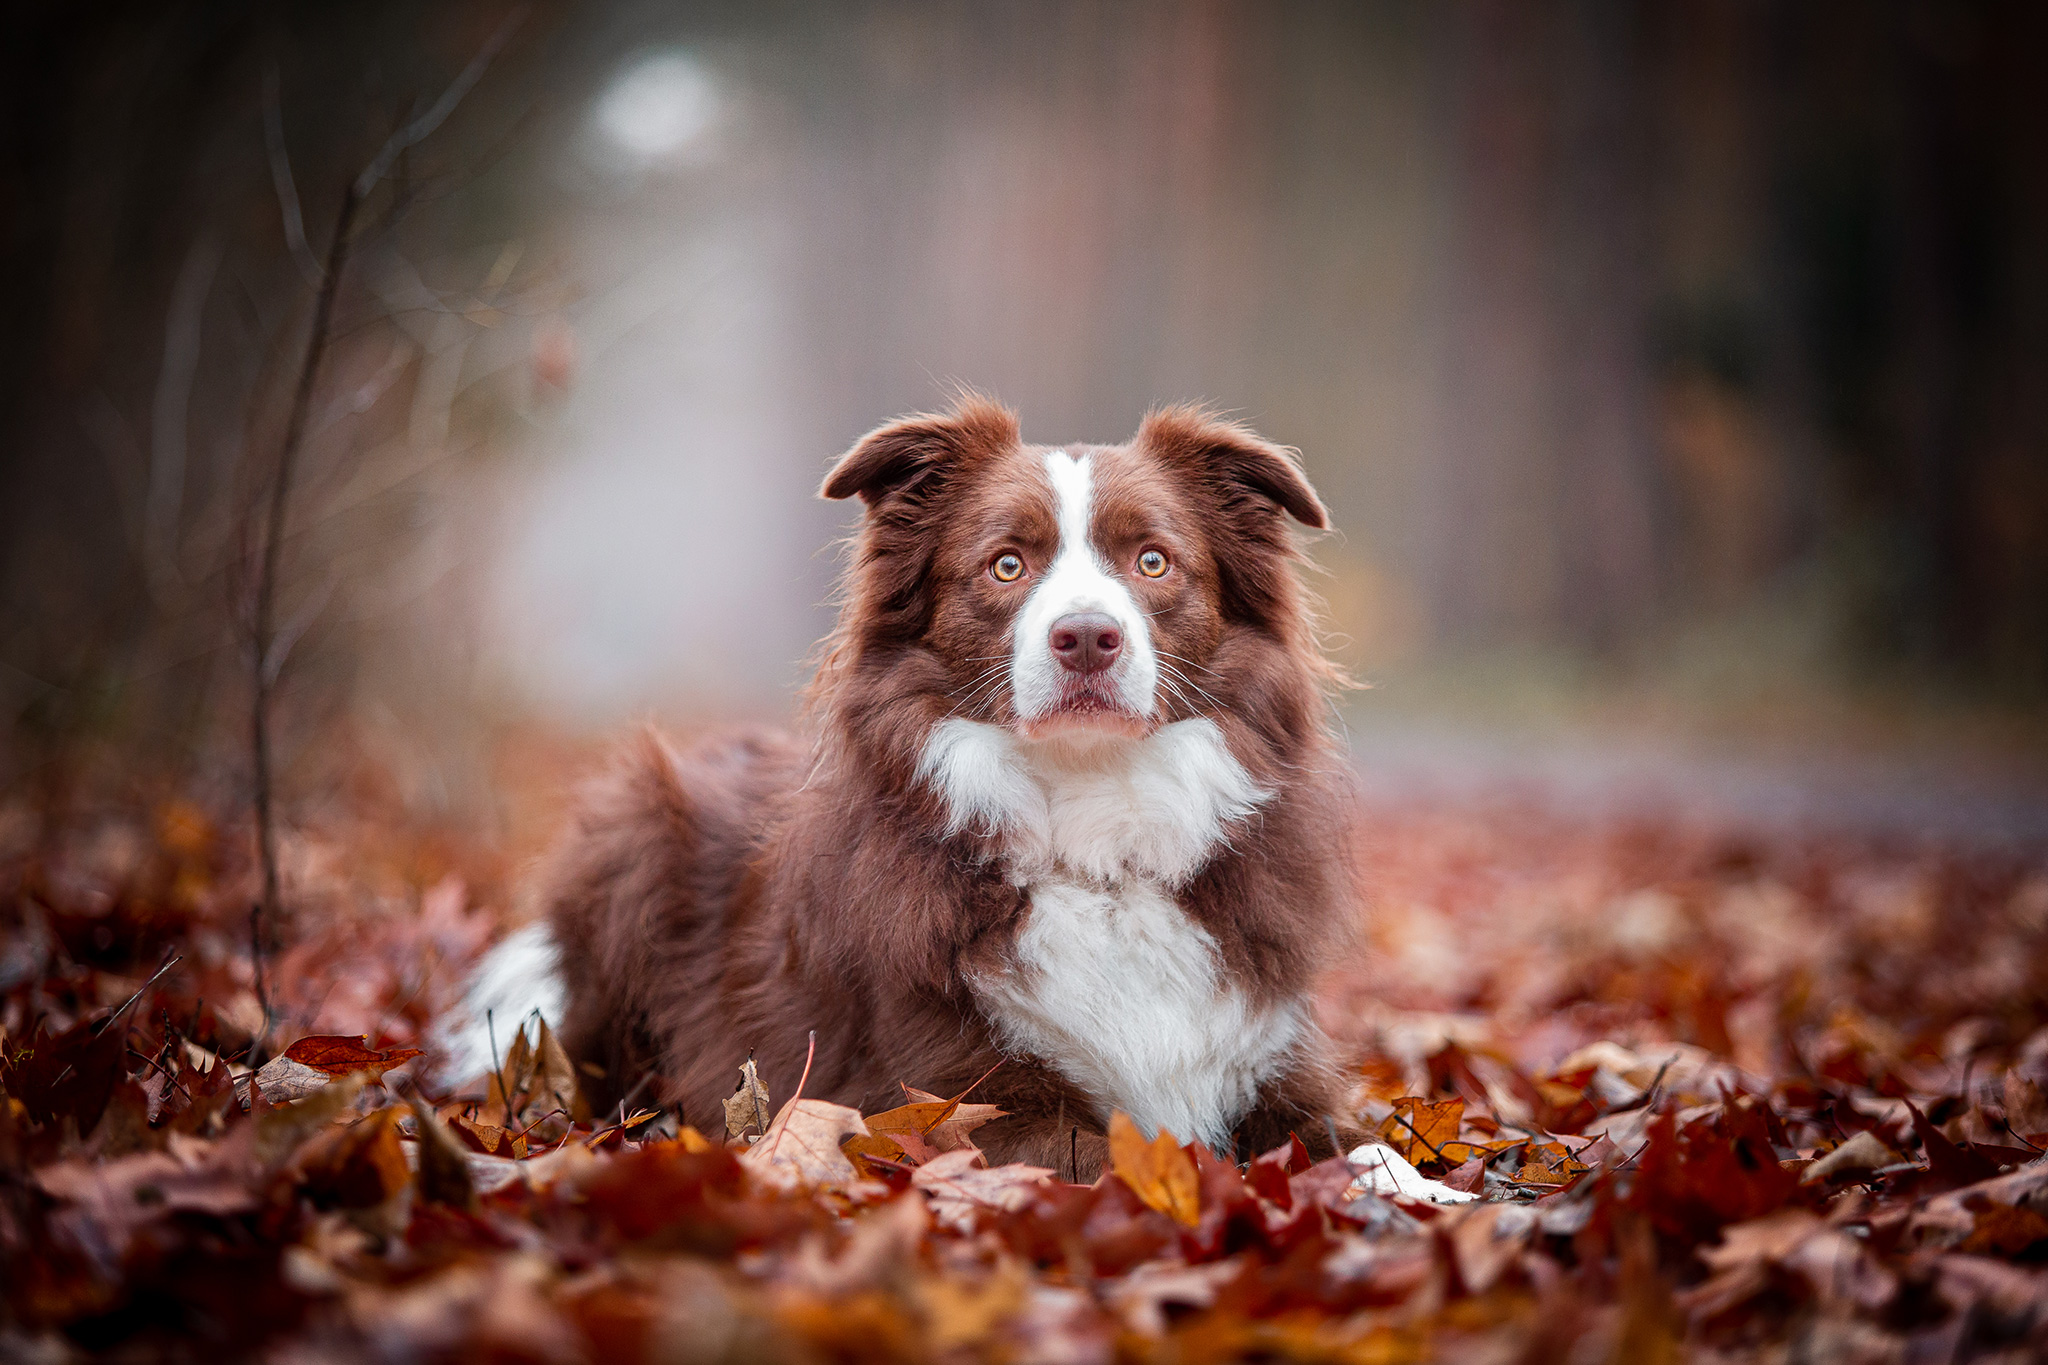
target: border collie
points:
(1068, 799)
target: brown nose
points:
(1087, 641)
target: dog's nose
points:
(1087, 641)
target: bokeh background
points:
(1677, 374)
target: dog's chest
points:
(1124, 994)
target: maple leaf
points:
(958, 1185)
(1159, 1172)
(930, 1125)
(1420, 1131)
(801, 1147)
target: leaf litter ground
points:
(1708, 1096)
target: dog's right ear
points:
(904, 457)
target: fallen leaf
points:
(746, 1111)
(801, 1147)
(1379, 1169)
(443, 1169)
(338, 1055)
(554, 1082)
(1863, 1153)
(311, 1062)
(958, 1186)
(1420, 1130)
(1159, 1172)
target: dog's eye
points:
(1152, 563)
(1007, 568)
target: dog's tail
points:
(513, 986)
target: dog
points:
(1068, 818)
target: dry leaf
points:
(444, 1168)
(282, 1080)
(1379, 1169)
(926, 1127)
(1859, 1156)
(338, 1054)
(554, 1084)
(801, 1147)
(958, 1185)
(1420, 1131)
(746, 1111)
(1158, 1172)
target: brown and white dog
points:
(1070, 800)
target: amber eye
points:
(1007, 568)
(1152, 563)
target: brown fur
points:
(733, 897)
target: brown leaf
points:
(1863, 1153)
(801, 1147)
(282, 1080)
(444, 1171)
(310, 1063)
(958, 1186)
(554, 1082)
(1159, 1172)
(356, 1167)
(930, 1125)
(746, 1111)
(112, 1199)
(2006, 1230)
(338, 1054)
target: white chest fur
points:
(1111, 982)
(1122, 992)
(1158, 807)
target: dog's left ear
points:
(1235, 454)
(906, 457)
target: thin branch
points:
(263, 664)
(281, 178)
(163, 500)
(262, 628)
(421, 128)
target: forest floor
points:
(1717, 1092)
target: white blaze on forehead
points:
(1077, 580)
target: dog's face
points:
(1073, 590)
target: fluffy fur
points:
(1118, 880)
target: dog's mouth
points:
(1085, 707)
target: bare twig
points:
(163, 500)
(1434, 1150)
(262, 628)
(809, 1053)
(173, 960)
(256, 959)
(281, 178)
(267, 662)
(421, 128)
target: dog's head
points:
(1073, 591)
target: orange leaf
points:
(1158, 1172)
(1419, 1130)
(338, 1054)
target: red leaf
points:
(338, 1054)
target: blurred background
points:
(1677, 374)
